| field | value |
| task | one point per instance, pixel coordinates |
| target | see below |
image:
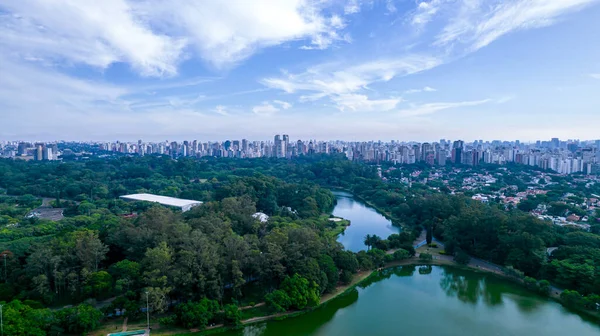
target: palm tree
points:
(368, 241)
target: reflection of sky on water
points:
(363, 221)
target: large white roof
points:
(165, 200)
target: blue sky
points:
(327, 69)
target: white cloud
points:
(352, 7)
(596, 76)
(389, 5)
(430, 108)
(342, 83)
(265, 109)
(425, 89)
(96, 33)
(284, 105)
(476, 23)
(222, 110)
(425, 12)
(153, 36)
(226, 32)
(336, 79)
(362, 103)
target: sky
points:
(409, 70)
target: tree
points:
(196, 314)
(544, 287)
(429, 235)
(377, 257)
(237, 278)
(278, 300)
(346, 277)
(127, 273)
(461, 257)
(425, 257)
(89, 249)
(98, 284)
(231, 315)
(80, 319)
(21, 319)
(301, 292)
(327, 266)
(401, 254)
(346, 260)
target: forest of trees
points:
(199, 266)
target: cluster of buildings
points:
(564, 157)
(280, 147)
(29, 150)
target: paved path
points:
(125, 324)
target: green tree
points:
(461, 257)
(231, 315)
(196, 314)
(80, 319)
(278, 300)
(302, 292)
(401, 254)
(425, 257)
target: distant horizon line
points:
(296, 139)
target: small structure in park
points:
(183, 204)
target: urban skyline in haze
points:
(564, 157)
(352, 70)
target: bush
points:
(388, 258)
(544, 287)
(346, 277)
(442, 252)
(401, 254)
(433, 245)
(425, 257)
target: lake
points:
(426, 300)
(432, 300)
(363, 219)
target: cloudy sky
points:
(325, 69)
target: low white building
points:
(183, 204)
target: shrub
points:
(425, 257)
(401, 254)
(346, 277)
(433, 245)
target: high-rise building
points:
(285, 145)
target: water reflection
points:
(363, 220)
(427, 269)
(466, 303)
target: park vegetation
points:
(200, 267)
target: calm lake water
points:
(433, 300)
(364, 220)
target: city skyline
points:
(352, 70)
(564, 157)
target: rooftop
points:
(165, 200)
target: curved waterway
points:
(364, 220)
(432, 300)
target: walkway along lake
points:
(363, 219)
